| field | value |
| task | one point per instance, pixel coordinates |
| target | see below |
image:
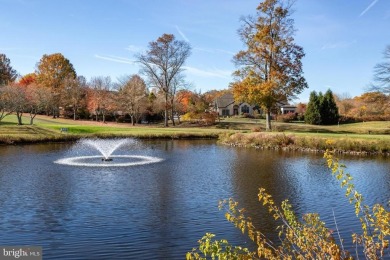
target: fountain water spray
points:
(106, 148)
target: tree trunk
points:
(74, 114)
(132, 120)
(268, 120)
(172, 114)
(19, 116)
(166, 110)
(32, 116)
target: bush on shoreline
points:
(292, 142)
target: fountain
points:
(106, 149)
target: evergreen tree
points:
(328, 109)
(322, 109)
(312, 115)
(7, 73)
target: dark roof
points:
(225, 100)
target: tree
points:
(270, 69)
(15, 100)
(38, 99)
(7, 73)
(178, 84)
(328, 109)
(28, 79)
(313, 114)
(100, 98)
(322, 109)
(74, 93)
(52, 71)
(132, 96)
(162, 63)
(382, 74)
(5, 102)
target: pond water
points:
(160, 210)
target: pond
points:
(159, 210)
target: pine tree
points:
(328, 109)
(313, 115)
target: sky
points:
(342, 39)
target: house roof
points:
(225, 100)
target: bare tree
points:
(382, 74)
(162, 62)
(132, 96)
(178, 84)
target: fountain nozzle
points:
(107, 159)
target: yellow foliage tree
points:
(52, 71)
(270, 69)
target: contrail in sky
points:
(369, 7)
(182, 34)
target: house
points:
(226, 106)
(285, 109)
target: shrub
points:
(208, 118)
(287, 118)
(302, 239)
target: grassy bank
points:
(46, 129)
(360, 138)
(341, 143)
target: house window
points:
(245, 109)
(225, 112)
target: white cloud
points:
(368, 7)
(182, 34)
(133, 48)
(213, 73)
(337, 45)
(115, 59)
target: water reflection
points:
(161, 210)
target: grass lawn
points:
(46, 128)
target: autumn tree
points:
(74, 93)
(374, 103)
(7, 73)
(5, 102)
(100, 97)
(27, 79)
(344, 102)
(162, 63)
(38, 100)
(15, 100)
(270, 68)
(178, 84)
(382, 74)
(52, 71)
(132, 96)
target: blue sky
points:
(343, 39)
